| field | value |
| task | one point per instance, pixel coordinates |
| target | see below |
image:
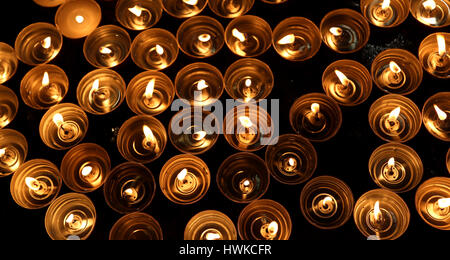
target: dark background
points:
(345, 156)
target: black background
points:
(345, 156)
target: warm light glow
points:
(327, 199)
(248, 82)
(159, 49)
(441, 114)
(315, 108)
(386, 4)
(86, 171)
(245, 121)
(47, 42)
(377, 211)
(2, 152)
(105, 50)
(395, 114)
(58, 119)
(273, 228)
(130, 192)
(150, 89)
(342, 78)
(79, 19)
(246, 183)
(444, 203)
(240, 36)
(191, 2)
(204, 37)
(148, 134)
(200, 135)
(32, 183)
(441, 44)
(182, 175)
(69, 219)
(336, 31)
(391, 162)
(136, 10)
(212, 236)
(291, 162)
(393, 66)
(95, 85)
(288, 39)
(201, 85)
(429, 5)
(45, 79)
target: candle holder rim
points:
(183, 16)
(136, 214)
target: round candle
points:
(77, 19)
(136, 226)
(8, 62)
(13, 151)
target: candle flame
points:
(325, 200)
(395, 114)
(47, 42)
(45, 79)
(444, 203)
(240, 36)
(86, 171)
(246, 183)
(79, 19)
(391, 162)
(377, 211)
(248, 82)
(191, 2)
(291, 162)
(2, 152)
(105, 50)
(130, 192)
(386, 4)
(159, 49)
(204, 37)
(212, 236)
(245, 121)
(342, 78)
(200, 135)
(96, 85)
(201, 85)
(336, 31)
(315, 108)
(148, 134)
(182, 175)
(136, 10)
(58, 119)
(393, 66)
(288, 39)
(32, 183)
(273, 228)
(70, 219)
(150, 89)
(429, 5)
(441, 44)
(441, 114)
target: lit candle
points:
(345, 87)
(315, 120)
(433, 13)
(201, 91)
(213, 235)
(383, 12)
(269, 231)
(150, 143)
(67, 131)
(327, 206)
(393, 76)
(100, 96)
(141, 16)
(246, 186)
(77, 19)
(186, 182)
(391, 121)
(151, 100)
(441, 60)
(130, 194)
(432, 202)
(248, 134)
(37, 187)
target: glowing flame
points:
(245, 121)
(45, 79)
(136, 10)
(395, 114)
(391, 162)
(200, 135)
(288, 39)
(326, 200)
(377, 211)
(159, 49)
(273, 228)
(182, 175)
(393, 66)
(2, 152)
(58, 119)
(70, 219)
(441, 114)
(150, 89)
(248, 82)
(441, 44)
(79, 19)
(204, 37)
(336, 31)
(291, 162)
(190, 2)
(201, 85)
(86, 171)
(444, 203)
(105, 50)
(95, 85)
(212, 236)
(47, 42)
(32, 183)
(429, 5)
(342, 78)
(240, 36)
(130, 192)
(149, 137)
(386, 4)
(315, 108)
(246, 183)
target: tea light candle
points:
(77, 19)
(436, 113)
(316, 117)
(187, 133)
(150, 93)
(385, 13)
(395, 118)
(107, 46)
(433, 13)
(231, 9)
(345, 30)
(397, 71)
(136, 226)
(71, 214)
(44, 86)
(9, 105)
(433, 202)
(13, 151)
(142, 139)
(264, 220)
(201, 36)
(154, 49)
(63, 126)
(8, 62)
(248, 36)
(38, 43)
(396, 167)
(184, 8)
(293, 160)
(200, 84)
(434, 54)
(326, 202)
(130, 187)
(248, 127)
(347, 82)
(210, 225)
(296, 39)
(243, 177)
(101, 91)
(138, 15)
(249, 80)
(185, 179)
(381, 213)
(49, 3)
(35, 184)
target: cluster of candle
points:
(326, 202)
